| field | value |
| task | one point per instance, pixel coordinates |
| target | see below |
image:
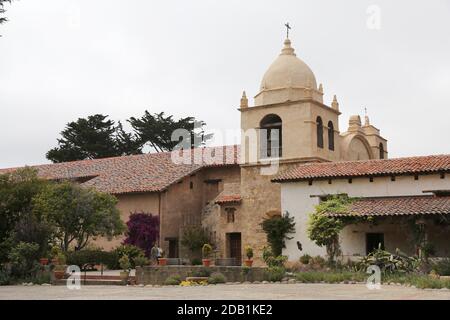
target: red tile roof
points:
(151, 172)
(398, 206)
(349, 169)
(230, 194)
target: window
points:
(191, 185)
(271, 136)
(319, 125)
(230, 214)
(381, 151)
(330, 135)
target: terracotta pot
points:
(43, 261)
(248, 263)
(124, 275)
(162, 261)
(55, 261)
(206, 262)
(59, 274)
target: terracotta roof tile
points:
(347, 169)
(231, 194)
(398, 206)
(150, 172)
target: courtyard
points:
(224, 291)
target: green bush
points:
(201, 272)
(442, 267)
(305, 258)
(196, 261)
(271, 260)
(389, 262)
(216, 277)
(92, 256)
(274, 274)
(141, 261)
(5, 276)
(23, 258)
(172, 281)
(131, 251)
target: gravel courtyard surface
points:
(223, 291)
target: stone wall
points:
(158, 274)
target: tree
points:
(78, 214)
(17, 190)
(278, 229)
(92, 138)
(143, 231)
(324, 229)
(157, 129)
(194, 237)
(2, 10)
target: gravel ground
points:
(222, 291)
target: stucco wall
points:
(129, 203)
(296, 199)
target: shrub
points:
(194, 238)
(143, 231)
(277, 230)
(318, 261)
(196, 261)
(141, 261)
(131, 251)
(201, 272)
(216, 277)
(172, 281)
(305, 258)
(271, 260)
(274, 274)
(248, 252)
(389, 262)
(442, 267)
(124, 263)
(5, 276)
(23, 258)
(92, 256)
(206, 250)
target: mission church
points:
(297, 156)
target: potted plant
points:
(249, 254)
(43, 261)
(162, 260)
(55, 253)
(125, 265)
(206, 252)
(59, 271)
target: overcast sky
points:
(63, 59)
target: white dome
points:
(288, 71)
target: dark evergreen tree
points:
(93, 138)
(156, 130)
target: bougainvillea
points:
(143, 231)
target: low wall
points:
(158, 274)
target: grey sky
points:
(62, 59)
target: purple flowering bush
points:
(143, 231)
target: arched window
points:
(330, 135)
(319, 124)
(271, 136)
(381, 151)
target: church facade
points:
(287, 126)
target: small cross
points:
(288, 27)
